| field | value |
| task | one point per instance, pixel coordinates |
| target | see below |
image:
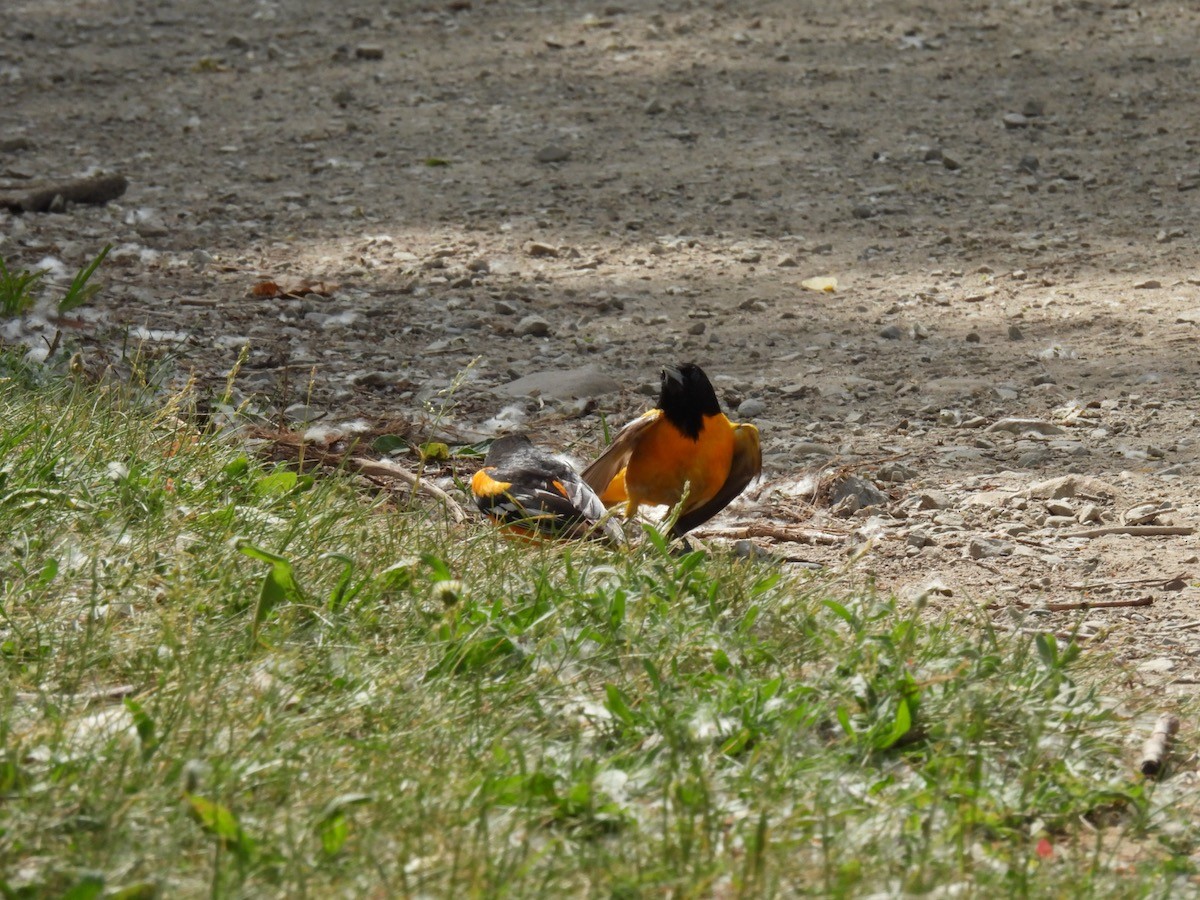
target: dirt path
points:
(1005, 192)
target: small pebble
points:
(1015, 120)
(368, 51)
(553, 154)
(891, 332)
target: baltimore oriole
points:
(532, 491)
(683, 449)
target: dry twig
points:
(1132, 530)
(374, 468)
(286, 445)
(1176, 582)
(1154, 751)
(791, 535)
(97, 190)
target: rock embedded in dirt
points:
(538, 249)
(989, 548)
(929, 500)
(1144, 513)
(859, 490)
(1070, 486)
(570, 384)
(891, 332)
(895, 472)
(553, 154)
(1060, 508)
(533, 326)
(751, 407)
(1015, 120)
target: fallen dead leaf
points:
(825, 283)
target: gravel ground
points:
(403, 208)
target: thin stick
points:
(780, 533)
(1075, 604)
(1099, 604)
(97, 190)
(1128, 582)
(377, 468)
(1133, 530)
(1154, 751)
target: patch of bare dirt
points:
(450, 196)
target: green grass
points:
(220, 678)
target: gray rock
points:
(989, 548)
(918, 538)
(895, 472)
(534, 326)
(810, 448)
(930, 500)
(857, 489)
(891, 332)
(563, 385)
(553, 154)
(1014, 333)
(1070, 486)
(1144, 513)
(750, 408)
(537, 248)
(1015, 120)
(302, 413)
(1059, 508)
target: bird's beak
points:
(673, 374)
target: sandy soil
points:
(464, 192)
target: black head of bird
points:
(686, 397)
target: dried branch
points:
(286, 445)
(97, 190)
(1174, 583)
(1133, 530)
(784, 533)
(1154, 751)
(375, 468)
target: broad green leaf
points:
(617, 705)
(279, 584)
(219, 821)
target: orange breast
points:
(665, 460)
